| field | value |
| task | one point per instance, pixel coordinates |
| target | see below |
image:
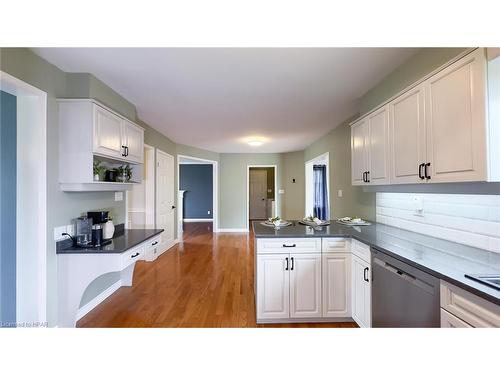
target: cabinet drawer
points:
(132, 255)
(335, 245)
(451, 321)
(152, 249)
(470, 308)
(361, 250)
(288, 245)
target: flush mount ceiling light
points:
(255, 141)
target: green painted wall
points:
(416, 67)
(233, 186)
(354, 201)
(294, 197)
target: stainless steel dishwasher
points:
(402, 296)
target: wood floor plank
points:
(205, 281)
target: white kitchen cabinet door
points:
(108, 134)
(273, 286)
(361, 292)
(456, 121)
(336, 285)
(378, 147)
(407, 141)
(359, 157)
(305, 285)
(134, 140)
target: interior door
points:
(358, 152)
(456, 121)
(108, 133)
(257, 194)
(305, 285)
(336, 285)
(273, 279)
(134, 141)
(165, 208)
(378, 147)
(407, 125)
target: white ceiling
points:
(215, 98)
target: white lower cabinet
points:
(305, 285)
(273, 286)
(451, 321)
(336, 277)
(361, 291)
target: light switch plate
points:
(339, 193)
(118, 196)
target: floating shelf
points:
(98, 186)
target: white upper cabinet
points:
(438, 130)
(109, 138)
(359, 152)
(378, 147)
(456, 121)
(407, 143)
(134, 141)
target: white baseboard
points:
(84, 310)
(233, 230)
(197, 220)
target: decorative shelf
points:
(98, 186)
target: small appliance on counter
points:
(89, 229)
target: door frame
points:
(276, 200)
(32, 129)
(215, 191)
(320, 158)
(148, 190)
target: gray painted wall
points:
(197, 181)
(8, 172)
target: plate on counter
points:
(353, 222)
(283, 223)
(314, 224)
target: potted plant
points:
(123, 173)
(128, 172)
(98, 170)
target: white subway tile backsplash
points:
(473, 220)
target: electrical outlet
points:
(118, 196)
(70, 229)
(281, 191)
(418, 205)
(339, 193)
(58, 231)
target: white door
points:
(358, 152)
(108, 134)
(336, 285)
(456, 121)
(165, 209)
(361, 292)
(273, 280)
(134, 140)
(378, 147)
(407, 129)
(305, 285)
(257, 194)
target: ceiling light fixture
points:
(255, 143)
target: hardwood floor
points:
(206, 281)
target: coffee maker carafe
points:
(83, 232)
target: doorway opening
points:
(261, 192)
(23, 259)
(318, 187)
(198, 196)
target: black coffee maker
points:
(98, 219)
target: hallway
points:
(206, 281)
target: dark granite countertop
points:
(447, 260)
(122, 241)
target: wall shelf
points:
(98, 186)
